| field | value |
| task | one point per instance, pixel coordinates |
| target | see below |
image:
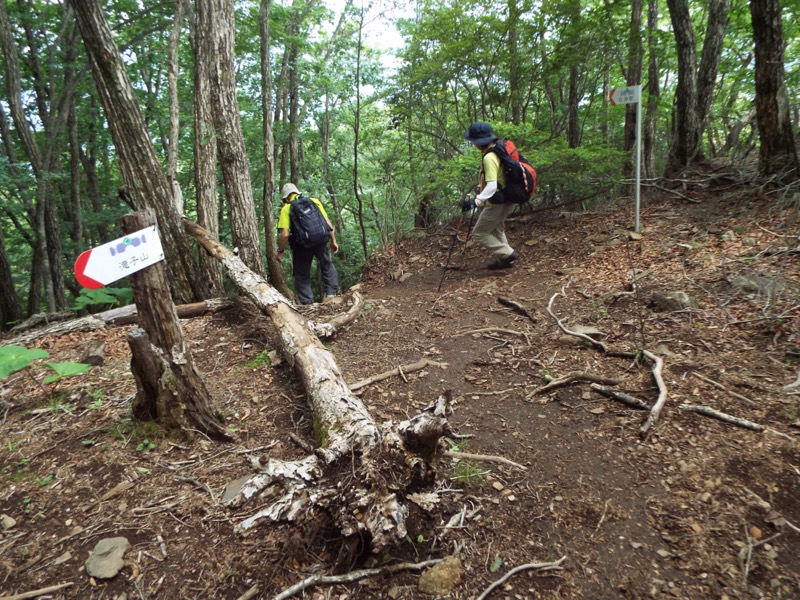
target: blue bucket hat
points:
(480, 134)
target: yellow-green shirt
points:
(492, 170)
(283, 218)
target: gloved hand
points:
(467, 205)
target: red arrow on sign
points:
(80, 272)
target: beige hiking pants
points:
(490, 229)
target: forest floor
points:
(699, 509)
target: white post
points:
(638, 159)
(633, 95)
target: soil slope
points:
(699, 509)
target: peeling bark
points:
(383, 464)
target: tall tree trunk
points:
(633, 76)
(147, 184)
(276, 277)
(573, 118)
(205, 153)
(653, 92)
(216, 18)
(356, 130)
(686, 135)
(709, 60)
(778, 154)
(294, 109)
(514, 78)
(10, 310)
(174, 108)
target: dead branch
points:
(249, 594)
(573, 377)
(662, 394)
(319, 579)
(497, 330)
(517, 307)
(486, 458)
(332, 327)
(519, 569)
(724, 389)
(793, 385)
(626, 399)
(417, 366)
(597, 344)
(37, 593)
(715, 414)
(767, 506)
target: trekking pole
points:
(450, 253)
(469, 228)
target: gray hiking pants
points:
(301, 270)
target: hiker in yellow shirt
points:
(489, 230)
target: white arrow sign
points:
(112, 261)
(626, 95)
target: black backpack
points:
(309, 228)
(520, 174)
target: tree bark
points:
(686, 134)
(205, 152)
(10, 311)
(146, 182)
(778, 154)
(215, 19)
(370, 507)
(653, 92)
(274, 269)
(170, 388)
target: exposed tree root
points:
(572, 378)
(715, 414)
(655, 412)
(519, 569)
(400, 371)
(319, 579)
(485, 457)
(626, 399)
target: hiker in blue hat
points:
(489, 230)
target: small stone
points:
(755, 532)
(106, 559)
(7, 522)
(440, 579)
(498, 486)
(664, 553)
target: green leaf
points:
(14, 358)
(496, 564)
(65, 370)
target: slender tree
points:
(147, 184)
(215, 17)
(778, 153)
(276, 277)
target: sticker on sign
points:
(626, 95)
(117, 259)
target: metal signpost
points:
(117, 259)
(632, 95)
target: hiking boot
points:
(503, 263)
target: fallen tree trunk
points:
(382, 463)
(123, 315)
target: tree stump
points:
(169, 387)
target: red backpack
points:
(520, 174)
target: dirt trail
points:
(675, 516)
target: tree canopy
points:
(379, 141)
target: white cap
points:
(288, 189)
